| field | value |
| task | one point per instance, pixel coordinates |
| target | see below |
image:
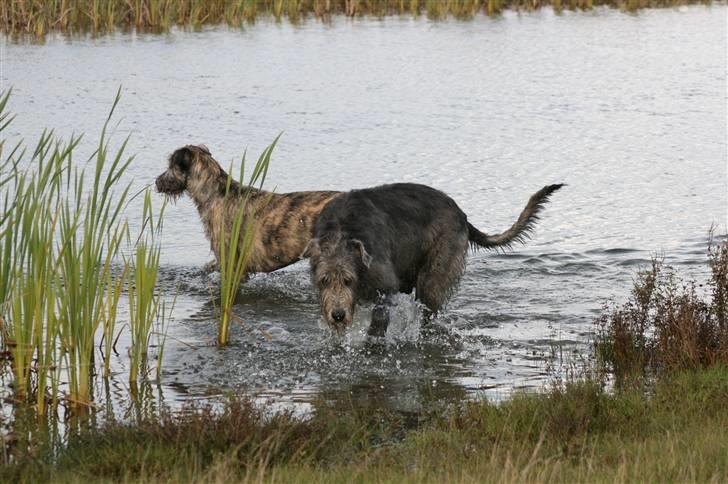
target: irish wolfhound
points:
(369, 244)
(283, 221)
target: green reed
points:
(32, 300)
(114, 286)
(61, 232)
(29, 268)
(144, 299)
(91, 222)
(8, 232)
(164, 316)
(234, 250)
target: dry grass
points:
(39, 17)
(575, 433)
(667, 325)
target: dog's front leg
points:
(214, 266)
(380, 316)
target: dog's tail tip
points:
(521, 229)
(538, 199)
(549, 189)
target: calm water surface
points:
(628, 110)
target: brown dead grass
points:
(668, 324)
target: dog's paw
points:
(211, 267)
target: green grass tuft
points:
(237, 244)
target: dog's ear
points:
(361, 251)
(182, 158)
(313, 249)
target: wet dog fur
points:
(283, 221)
(370, 244)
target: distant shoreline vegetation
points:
(31, 17)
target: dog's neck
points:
(209, 192)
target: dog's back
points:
(398, 223)
(369, 244)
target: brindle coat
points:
(369, 244)
(283, 221)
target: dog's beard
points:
(173, 196)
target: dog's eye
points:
(348, 280)
(184, 164)
(182, 159)
(324, 281)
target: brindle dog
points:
(283, 221)
(372, 243)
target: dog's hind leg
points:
(438, 278)
(441, 271)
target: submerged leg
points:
(211, 266)
(428, 328)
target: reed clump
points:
(38, 18)
(237, 244)
(62, 230)
(145, 300)
(667, 325)
(92, 230)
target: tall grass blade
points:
(237, 242)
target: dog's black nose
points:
(338, 315)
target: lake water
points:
(628, 110)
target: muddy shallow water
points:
(628, 110)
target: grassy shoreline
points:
(30, 17)
(575, 433)
(663, 420)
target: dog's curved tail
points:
(519, 231)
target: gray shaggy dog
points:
(370, 244)
(283, 221)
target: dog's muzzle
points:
(168, 184)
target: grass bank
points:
(102, 16)
(575, 433)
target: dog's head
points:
(184, 165)
(335, 268)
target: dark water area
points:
(628, 110)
